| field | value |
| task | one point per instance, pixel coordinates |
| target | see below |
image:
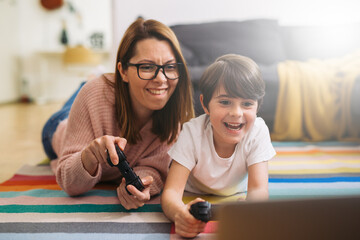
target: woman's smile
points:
(153, 91)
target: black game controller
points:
(201, 211)
(130, 176)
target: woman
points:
(140, 108)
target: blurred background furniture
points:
(268, 44)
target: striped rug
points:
(32, 205)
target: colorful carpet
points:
(32, 205)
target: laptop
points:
(305, 219)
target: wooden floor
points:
(20, 135)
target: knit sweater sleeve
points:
(85, 123)
(93, 115)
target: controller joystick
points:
(128, 173)
(201, 211)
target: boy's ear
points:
(202, 104)
(123, 72)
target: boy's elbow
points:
(163, 197)
(258, 194)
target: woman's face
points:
(149, 95)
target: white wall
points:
(40, 28)
(288, 12)
(28, 29)
(8, 48)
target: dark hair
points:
(179, 109)
(239, 75)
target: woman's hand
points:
(97, 150)
(185, 223)
(138, 198)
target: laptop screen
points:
(317, 218)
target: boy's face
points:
(231, 118)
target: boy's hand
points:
(185, 223)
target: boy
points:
(224, 151)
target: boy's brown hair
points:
(240, 76)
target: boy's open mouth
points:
(232, 126)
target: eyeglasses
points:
(149, 71)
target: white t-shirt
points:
(211, 174)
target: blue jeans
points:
(51, 125)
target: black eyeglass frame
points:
(158, 67)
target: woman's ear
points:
(123, 72)
(202, 104)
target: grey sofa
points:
(267, 43)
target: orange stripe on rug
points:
(29, 187)
(20, 177)
(7, 188)
(28, 182)
(26, 200)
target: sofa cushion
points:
(189, 55)
(258, 39)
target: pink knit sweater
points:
(93, 115)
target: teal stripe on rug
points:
(76, 208)
(56, 193)
(313, 192)
(84, 236)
